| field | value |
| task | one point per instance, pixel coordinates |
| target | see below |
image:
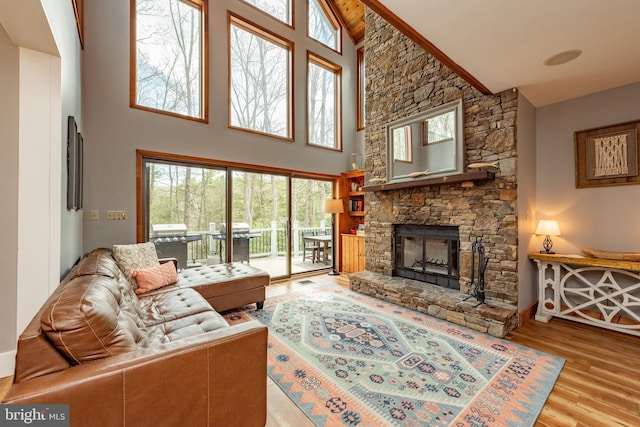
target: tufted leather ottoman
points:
(227, 286)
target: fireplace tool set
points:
(477, 255)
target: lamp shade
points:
(333, 206)
(548, 227)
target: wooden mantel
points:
(482, 175)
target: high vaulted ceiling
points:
(504, 43)
(352, 14)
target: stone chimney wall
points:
(402, 80)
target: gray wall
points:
(526, 128)
(605, 217)
(63, 26)
(114, 131)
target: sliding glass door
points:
(260, 204)
(310, 225)
(184, 204)
(204, 214)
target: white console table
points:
(599, 292)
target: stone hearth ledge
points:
(493, 318)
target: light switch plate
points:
(116, 215)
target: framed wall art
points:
(607, 155)
(72, 163)
(79, 171)
(75, 165)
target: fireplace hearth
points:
(428, 253)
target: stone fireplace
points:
(428, 253)
(403, 80)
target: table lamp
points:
(547, 227)
(333, 206)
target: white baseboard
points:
(7, 363)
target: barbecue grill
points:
(171, 241)
(242, 234)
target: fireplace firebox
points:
(429, 253)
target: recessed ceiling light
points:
(563, 57)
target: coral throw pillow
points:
(156, 277)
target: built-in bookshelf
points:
(352, 193)
(353, 196)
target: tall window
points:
(323, 99)
(279, 9)
(169, 57)
(323, 24)
(260, 80)
(361, 89)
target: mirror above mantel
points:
(426, 145)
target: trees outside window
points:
(440, 128)
(323, 24)
(168, 57)
(279, 9)
(180, 194)
(323, 102)
(402, 151)
(260, 80)
(196, 195)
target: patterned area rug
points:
(349, 359)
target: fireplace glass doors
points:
(428, 253)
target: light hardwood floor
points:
(598, 386)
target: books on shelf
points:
(356, 205)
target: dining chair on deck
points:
(310, 245)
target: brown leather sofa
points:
(165, 358)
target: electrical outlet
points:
(116, 215)
(94, 215)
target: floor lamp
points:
(333, 206)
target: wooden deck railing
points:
(270, 243)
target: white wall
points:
(37, 53)
(9, 196)
(526, 142)
(605, 217)
(38, 181)
(113, 130)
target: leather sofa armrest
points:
(214, 378)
